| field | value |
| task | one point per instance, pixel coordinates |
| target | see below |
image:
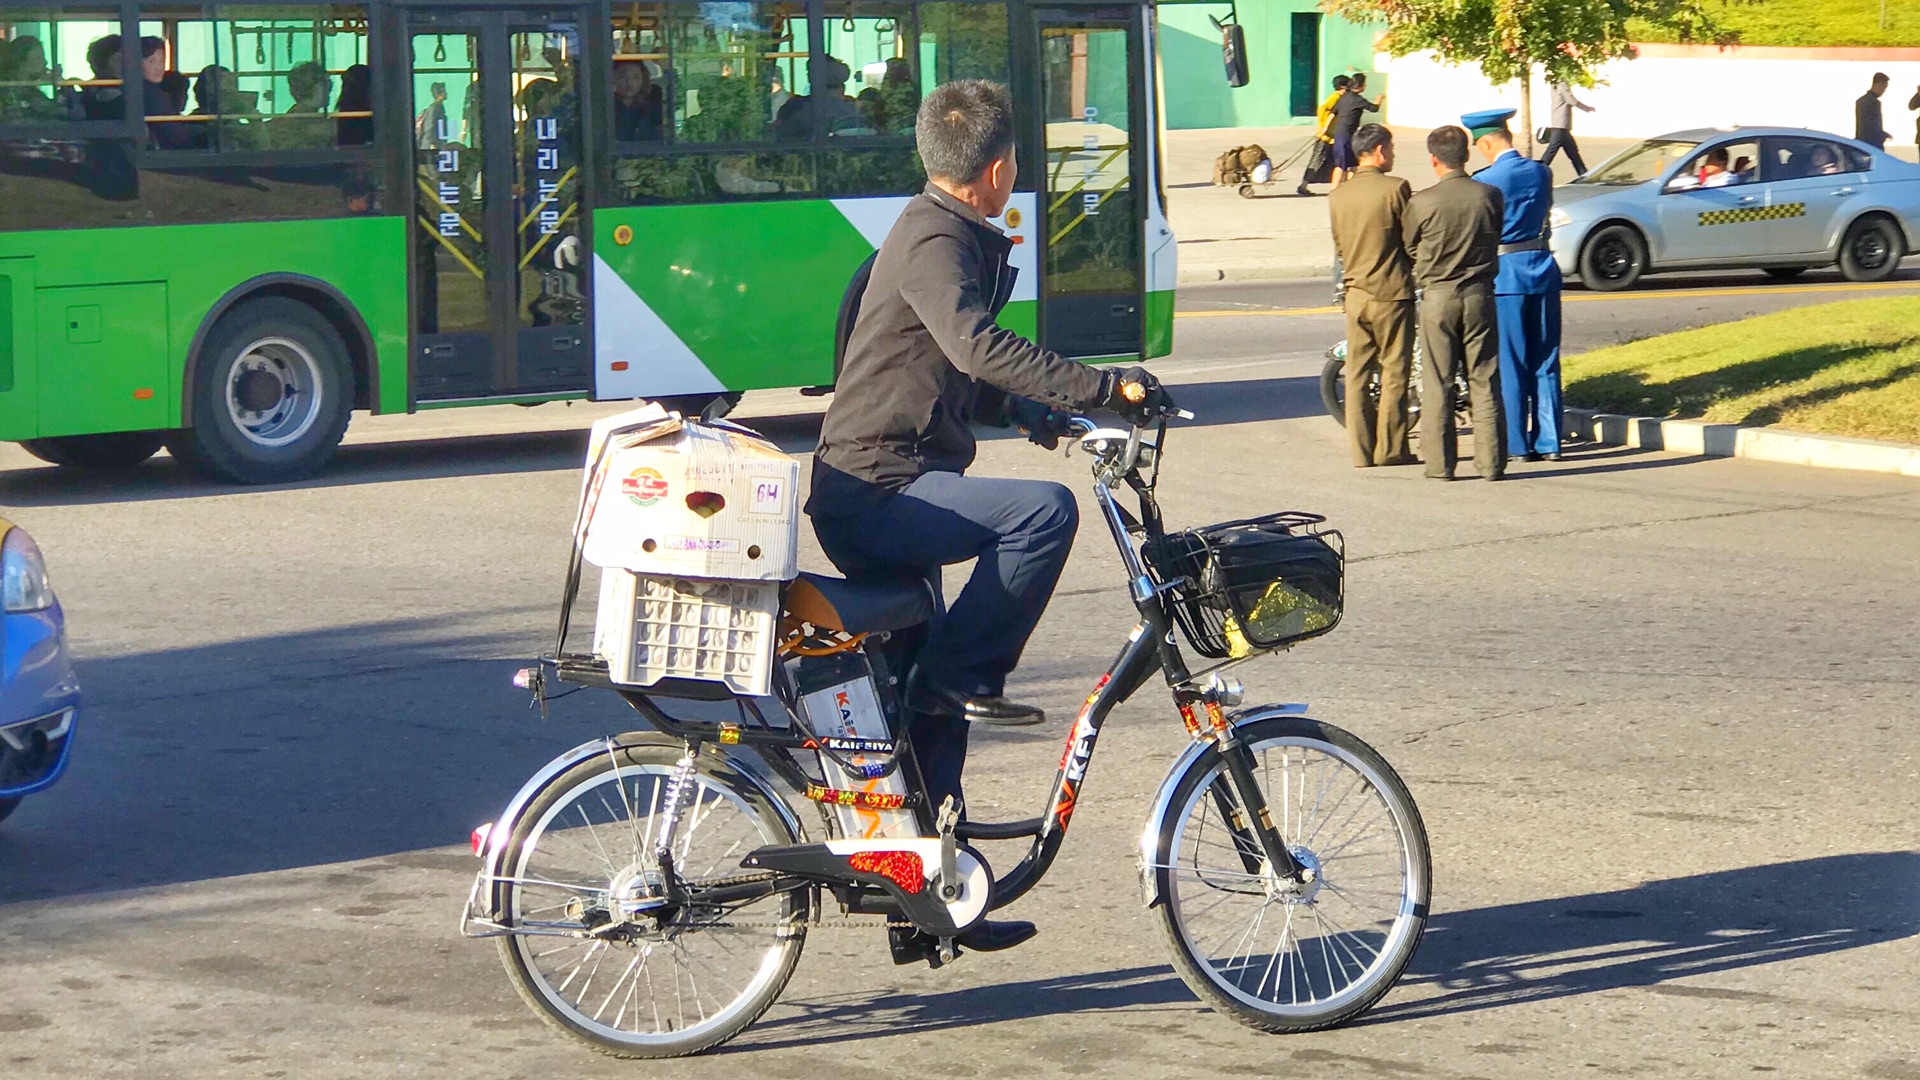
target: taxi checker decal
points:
(1754, 213)
(644, 486)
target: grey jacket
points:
(926, 359)
(1563, 105)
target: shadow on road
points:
(1489, 958)
(1659, 931)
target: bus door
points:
(1093, 140)
(500, 264)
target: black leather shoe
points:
(1531, 457)
(997, 711)
(987, 936)
(910, 946)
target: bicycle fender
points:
(503, 825)
(1163, 799)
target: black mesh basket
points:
(1253, 585)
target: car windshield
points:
(1640, 164)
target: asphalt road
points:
(1657, 712)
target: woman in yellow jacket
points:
(1323, 121)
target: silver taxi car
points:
(1777, 199)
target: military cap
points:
(1486, 122)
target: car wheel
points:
(1872, 250)
(1613, 259)
(114, 452)
(1784, 273)
(272, 394)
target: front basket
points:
(1254, 585)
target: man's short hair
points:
(1358, 81)
(1340, 82)
(1370, 138)
(1448, 145)
(964, 127)
(1880, 77)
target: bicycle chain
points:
(842, 922)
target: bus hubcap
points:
(273, 393)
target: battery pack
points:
(842, 706)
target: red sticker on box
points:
(644, 486)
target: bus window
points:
(60, 64)
(692, 76)
(547, 173)
(61, 72)
(263, 77)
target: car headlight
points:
(23, 575)
(1559, 218)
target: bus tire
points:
(691, 406)
(114, 452)
(271, 395)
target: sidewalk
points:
(1278, 234)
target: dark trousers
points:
(1559, 139)
(1379, 338)
(1018, 531)
(1530, 371)
(1458, 328)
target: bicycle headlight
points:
(23, 575)
(1558, 218)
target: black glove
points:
(1138, 397)
(1042, 425)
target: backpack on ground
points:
(1236, 165)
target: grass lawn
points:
(1851, 368)
(1811, 22)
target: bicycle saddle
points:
(867, 606)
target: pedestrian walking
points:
(1867, 126)
(1368, 213)
(1319, 168)
(1348, 113)
(1526, 290)
(1913, 104)
(1560, 128)
(1452, 234)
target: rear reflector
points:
(480, 839)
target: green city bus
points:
(225, 226)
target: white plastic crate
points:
(653, 627)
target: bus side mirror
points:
(1233, 52)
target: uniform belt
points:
(1538, 243)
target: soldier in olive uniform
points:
(1366, 212)
(1452, 232)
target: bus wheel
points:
(115, 452)
(272, 393)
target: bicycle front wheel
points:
(599, 951)
(1276, 954)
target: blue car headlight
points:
(24, 586)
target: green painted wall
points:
(100, 343)
(1197, 93)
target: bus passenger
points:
(827, 106)
(302, 124)
(639, 107)
(356, 96)
(23, 62)
(430, 127)
(158, 99)
(216, 90)
(104, 102)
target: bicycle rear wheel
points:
(1274, 954)
(599, 952)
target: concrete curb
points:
(1204, 275)
(1753, 443)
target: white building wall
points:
(1671, 87)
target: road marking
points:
(1586, 297)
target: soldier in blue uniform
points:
(1526, 291)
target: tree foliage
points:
(1566, 39)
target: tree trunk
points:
(1526, 107)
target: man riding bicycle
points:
(890, 494)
